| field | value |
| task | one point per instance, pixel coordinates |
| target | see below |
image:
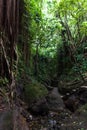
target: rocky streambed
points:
(52, 113)
(49, 113)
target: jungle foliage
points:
(52, 41)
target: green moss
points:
(83, 109)
(33, 91)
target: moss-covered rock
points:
(32, 90)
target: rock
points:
(77, 99)
(72, 103)
(52, 123)
(84, 87)
(20, 89)
(54, 100)
(29, 118)
(82, 94)
(40, 107)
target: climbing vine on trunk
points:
(9, 17)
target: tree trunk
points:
(9, 13)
